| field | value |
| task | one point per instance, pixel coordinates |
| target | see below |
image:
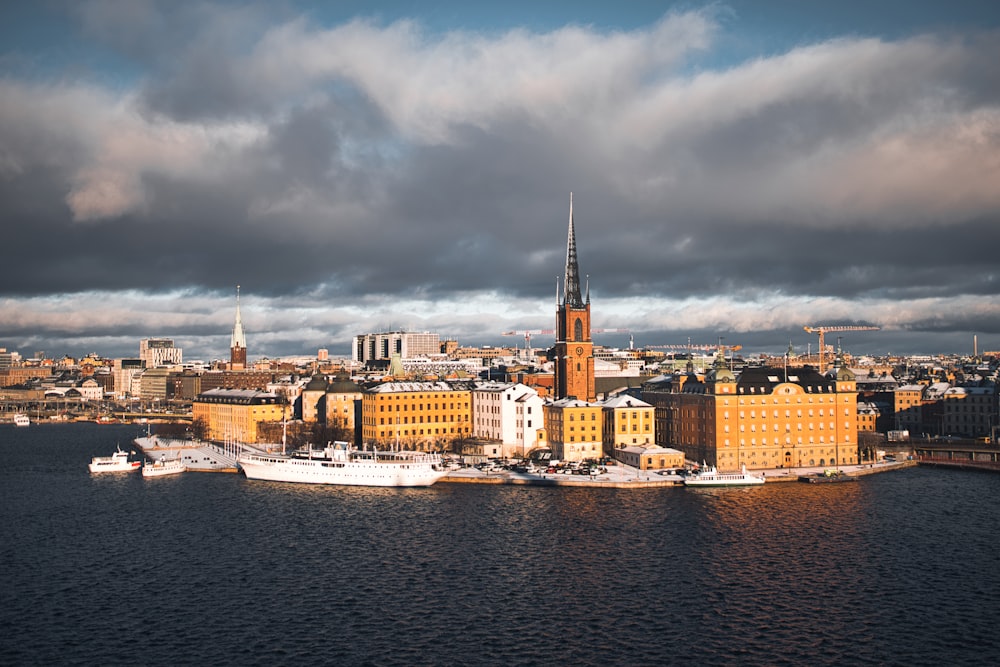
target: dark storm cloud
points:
(377, 169)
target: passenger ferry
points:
(342, 464)
(21, 419)
(117, 462)
(712, 477)
(164, 466)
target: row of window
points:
(420, 420)
(420, 407)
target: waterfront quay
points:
(626, 477)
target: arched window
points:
(578, 330)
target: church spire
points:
(239, 339)
(571, 287)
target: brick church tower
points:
(574, 350)
(238, 342)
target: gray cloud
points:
(385, 175)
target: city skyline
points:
(740, 169)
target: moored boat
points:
(161, 467)
(828, 477)
(710, 476)
(342, 464)
(21, 419)
(117, 462)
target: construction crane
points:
(528, 333)
(823, 330)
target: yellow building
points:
(765, 418)
(313, 399)
(425, 416)
(628, 421)
(575, 429)
(650, 457)
(234, 414)
(343, 399)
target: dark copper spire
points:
(571, 286)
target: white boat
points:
(117, 462)
(711, 477)
(341, 464)
(161, 467)
(21, 419)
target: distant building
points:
(124, 372)
(628, 421)
(425, 416)
(344, 404)
(9, 359)
(765, 418)
(650, 457)
(236, 380)
(908, 407)
(381, 346)
(155, 384)
(314, 400)
(508, 413)
(238, 341)
(235, 414)
(969, 411)
(574, 428)
(156, 352)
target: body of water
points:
(901, 568)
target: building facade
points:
(651, 457)
(381, 346)
(234, 415)
(765, 418)
(628, 421)
(156, 352)
(969, 411)
(424, 416)
(509, 413)
(574, 428)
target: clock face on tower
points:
(579, 350)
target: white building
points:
(124, 372)
(377, 346)
(156, 352)
(510, 413)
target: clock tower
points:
(574, 350)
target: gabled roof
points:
(625, 401)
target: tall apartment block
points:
(379, 346)
(156, 352)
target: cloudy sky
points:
(739, 169)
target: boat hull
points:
(161, 470)
(827, 479)
(342, 473)
(128, 466)
(712, 477)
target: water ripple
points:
(216, 570)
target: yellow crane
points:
(823, 330)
